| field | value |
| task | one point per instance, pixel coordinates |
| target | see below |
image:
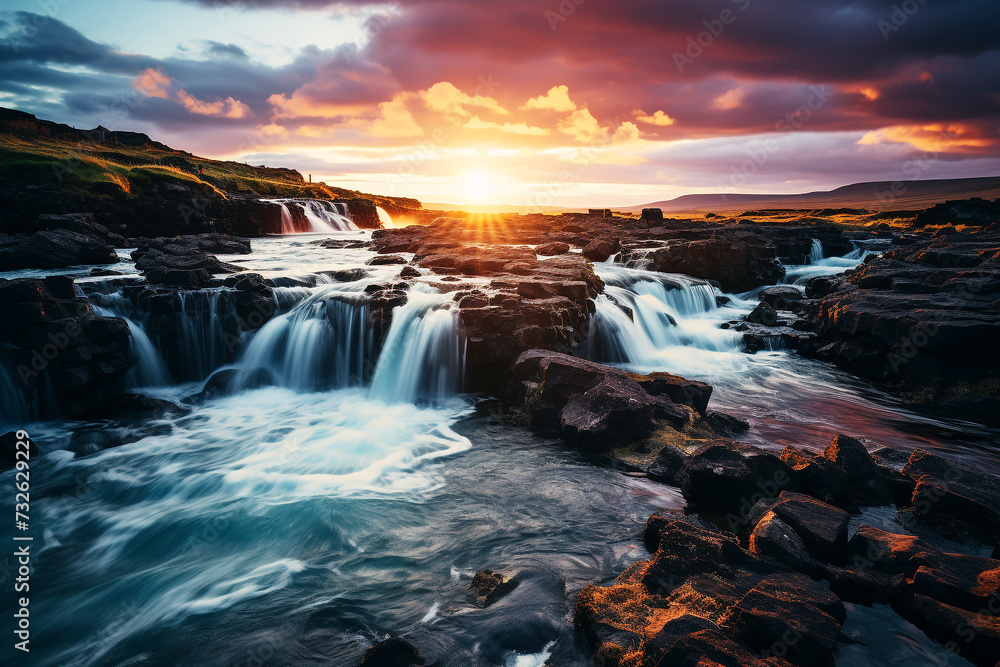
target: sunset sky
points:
(530, 102)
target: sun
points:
(480, 187)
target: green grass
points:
(86, 169)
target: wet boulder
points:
(678, 389)
(763, 314)
(54, 249)
(588, 403)
(393, 652)
(954, 496)
(731, 477)
(791, 616)
(739, 260)
(600, 250)
(490, 586)
(551, 249)
(866, 483)
(773, 538)
(820, 477)
(781, 297)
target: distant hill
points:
(877, 196)
(52, 159)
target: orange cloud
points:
(227, 108)
(445, 98)
(582, 126)
(932, 138)
(395, 120)
(513, 128)
(659, 118)
(152, 83)
(557, 99)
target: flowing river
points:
(335, 495)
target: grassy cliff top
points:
(101, 162)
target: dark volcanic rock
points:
(703, 598)
(954, 497)
(921, 319)
(731, 477)
(392, 652)
(490, 586)
(53, 249)
(550, 249)
(56, 340)
(740, 261)
(866, 483)
(184, 261)
(587, 403)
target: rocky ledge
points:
(757, 569)
(923, 319)
(59, 347)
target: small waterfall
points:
(149, 370)
(384, 218)
(287, 223)
(321, 216)
(423, 359)
(24, 403)
(192, 332)
(658, 321)
(323, 342)
(815, 253)
(16, 410)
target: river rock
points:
(739, 261)
(551, 249)
(954, 496)
(393, 652)
(588, 403)
(490, 586)
(866, 483)
(731, 477)
(53, 249)
(56, 340)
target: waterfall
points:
(287, 223)
(183, 335)
(659, 321)
(324, 342)
(815, 253)
(423, 359)
(16, 410)
(323, 216)
(149, 370)
(384, 218)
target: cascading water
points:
(815, 253)
(322, 216)
(385, 218)
(824, 266)
(149, 370)
(15, 410)
(324, 342)
(423, 359)
(650, 320)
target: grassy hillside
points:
(41, 155)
